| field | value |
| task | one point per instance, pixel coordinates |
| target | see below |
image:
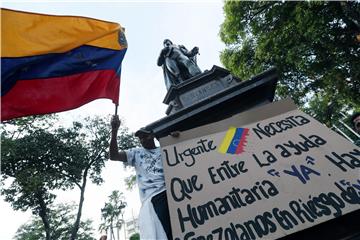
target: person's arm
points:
(115, 155)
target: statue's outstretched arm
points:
(194, 51)
(191, 53)
(184, 50)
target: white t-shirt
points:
(149, 170)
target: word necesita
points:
(273, 128)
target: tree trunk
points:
(124, 229)
(75, 228)
(112, 233)
(44, 216)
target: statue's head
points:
(167, 42)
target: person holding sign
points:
(154, 219)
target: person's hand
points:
(115, 122)
(103, 237)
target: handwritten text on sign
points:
(263, 180)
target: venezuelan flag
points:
(234, 141)
(57, 63)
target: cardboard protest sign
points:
(261, 174)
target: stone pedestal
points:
(212, 96)
(199, 88)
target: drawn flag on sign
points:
(57, 63)
(234, 141)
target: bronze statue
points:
(178, 63)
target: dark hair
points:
(142, 132)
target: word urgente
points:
(188, 155)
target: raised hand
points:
(115, 122)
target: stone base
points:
(213, 96)
(198, 88)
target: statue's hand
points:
(195, 50)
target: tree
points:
(314, 45)
(38, 158)
(30, 167)
(112, 214)
(61, 217)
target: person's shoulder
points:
(153, 150)
(134, 150)
(157, 150)
(137, 149)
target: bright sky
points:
(147, 23)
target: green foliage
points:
(112, 213)
(39, 156)
(314, 45)
(135, 236)
(43, 158)
(25, 164)
(130, 182)
(62, 216)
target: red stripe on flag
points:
(240, 147)
(41, 96)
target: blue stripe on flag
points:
(235, 141)
(82, 59)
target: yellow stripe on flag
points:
(227, 140)
(29, 34)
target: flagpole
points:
(116, 108)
